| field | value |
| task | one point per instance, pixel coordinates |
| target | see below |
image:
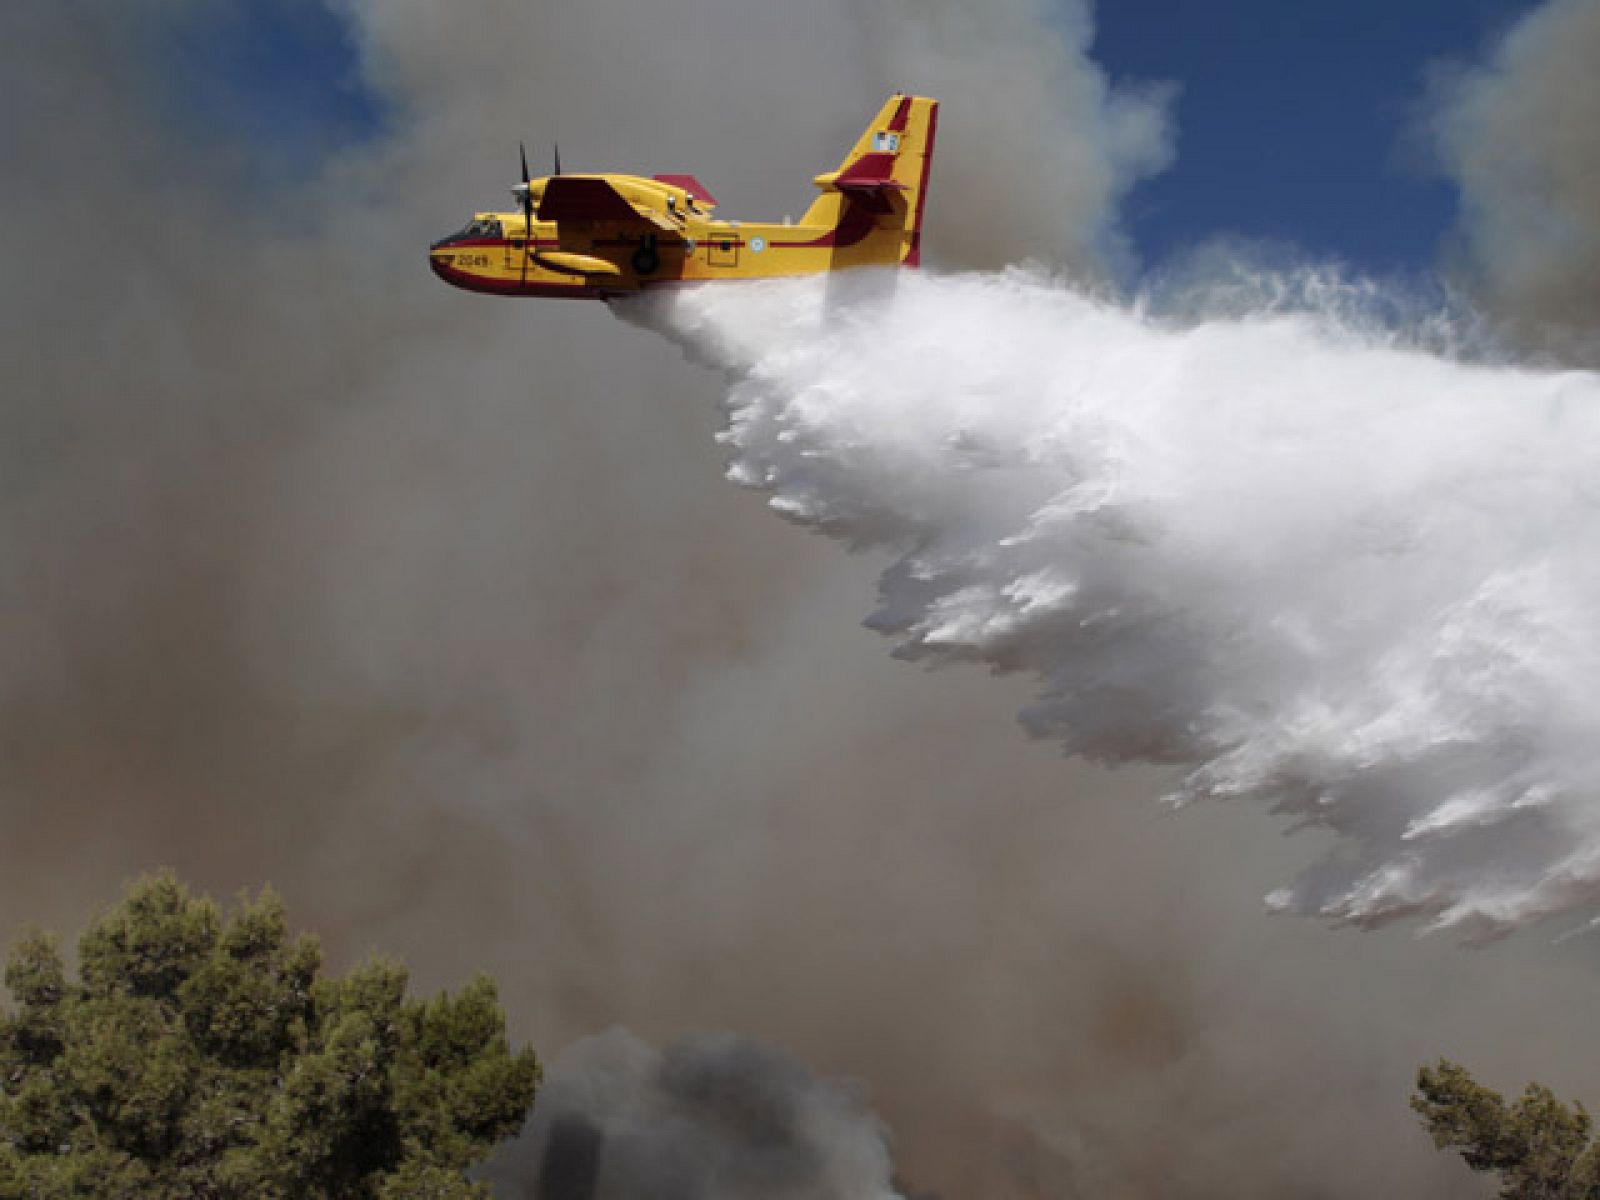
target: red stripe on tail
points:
(914, 255)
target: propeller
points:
(526, 193)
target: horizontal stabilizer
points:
(691, 185)
(869, 185)
(574, 198)
(869, 173)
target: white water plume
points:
(1299, 557)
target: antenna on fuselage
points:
(558, 157)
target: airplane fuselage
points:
(607, 258)
(612, 234)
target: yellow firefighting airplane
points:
(608, 235)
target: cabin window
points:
(886, 143)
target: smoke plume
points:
(712, 1117)
(1306, 564)
(435, 612)
(1517, 133)
(1032, 134)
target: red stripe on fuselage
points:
(510, 287)
(496, 243)
(857, 222)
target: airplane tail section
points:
(874, 201)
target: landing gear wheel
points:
(646, 259)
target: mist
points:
(438, 613)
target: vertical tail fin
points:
(875, 199)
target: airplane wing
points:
(574, 198)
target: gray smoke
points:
(436, 612)
(711, 1117)
(1518, 134)
(1037, 147)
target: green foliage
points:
(200, 1055)
(1540, 1148)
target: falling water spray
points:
(1299, 557)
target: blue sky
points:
(280, 75)
(1292, 120)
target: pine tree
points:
(199, 1055)
(1540, 1148)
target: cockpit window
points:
(482, 229)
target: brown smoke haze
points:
(435, 611)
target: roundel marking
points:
(757, 245)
